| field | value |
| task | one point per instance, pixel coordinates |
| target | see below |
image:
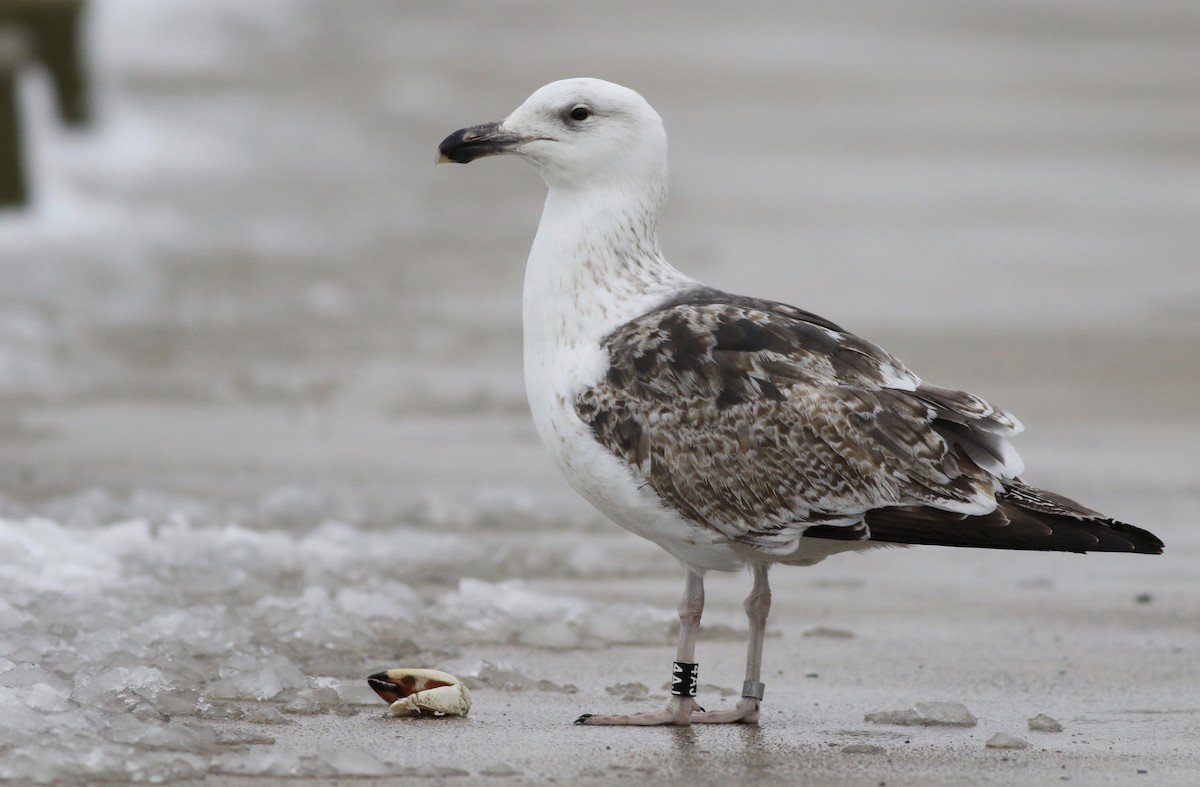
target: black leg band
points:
(683, 678)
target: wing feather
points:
(757, 419)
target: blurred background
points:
(1005, 197)
(241, 309)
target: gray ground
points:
(249, 297)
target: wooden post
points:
(55, 27)
(13, 51)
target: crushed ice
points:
(119, 641)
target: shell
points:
(419, 692)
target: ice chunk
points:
(475, 673)
(829, 633)
(265, 714)
(511, 612)
(863, 748)
(907, 718)
(514, 613)
(201, 629)
(178, 701)
(349, 693)
(292, 507)
(118, 688)
(1044, 723)
(313, 699)
(17, 717)
(11, 617)
(629, 691)
(952, 714)
(243, 738)
(25, 674)
(247, 677)
(1002, 740)
(393, 601)
(173, 735)
(429, 771)
(947, 714)
(47, 699)
(632, 624)
(164, 768)
(271, 762)
(251, 764)
(352, 761)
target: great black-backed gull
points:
(734, 432)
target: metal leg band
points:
(683, 678)
(753, 689)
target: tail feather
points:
(1025, 518)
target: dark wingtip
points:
(1142, 542)
(583, 719)
(1025, 518)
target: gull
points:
(734, 432)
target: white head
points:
(580, 134)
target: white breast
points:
(575, 295)
(553, 376)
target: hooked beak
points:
(468, 144)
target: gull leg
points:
(758, 605)
(680, 710)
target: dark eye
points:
(579, 113)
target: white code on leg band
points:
(683, 678)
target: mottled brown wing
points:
(758, 420)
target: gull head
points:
(579, 134)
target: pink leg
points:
(684, 710)
(679, 710)
(758, 605)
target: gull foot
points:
(745, 712)
(679, 712)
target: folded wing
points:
(769, 424)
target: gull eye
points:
(579, 113)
